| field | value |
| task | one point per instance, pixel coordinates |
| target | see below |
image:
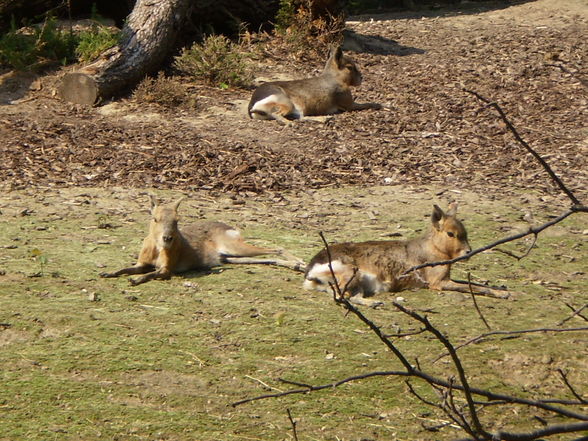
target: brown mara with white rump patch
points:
(368, 268)
(328, 93)
(167, 250)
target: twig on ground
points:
(561, 67)
(522, 256)
(576, 312)
(564, 378)
(262, 383)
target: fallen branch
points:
(481, 337)
(576, 312)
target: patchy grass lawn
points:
(90, 358)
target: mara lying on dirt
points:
(167, 250)
(368, 268)
(326, 94)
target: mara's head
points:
(164, 223)
(342, 68)
(449, 235)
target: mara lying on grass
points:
(368, 268)
(168, 250)
(326, 94)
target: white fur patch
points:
(230, 236)
(268, 104)
(322, 271)
(233, 234)
(370, 284)
(311, 285)
(261, 104)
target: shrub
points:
(303, 32)
(164, 91)
(95, 40)
(216, 60)
(34, 47)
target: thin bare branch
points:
(293, 423)
(546, 431)
(476, 302)
(465, 387)
(564, 378)
(420, 397)
(337, 293)
(522, 142)
(324, 386)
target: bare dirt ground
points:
(529, 57)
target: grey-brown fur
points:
(368, 268)
(328, 93)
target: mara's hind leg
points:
(293, 264)
(231, 244)
(348, 282)
(135, 269)
(276, 106)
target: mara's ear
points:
(437, 217)
(153, 202)
(177, 203)
(335, 55)
(452, 209)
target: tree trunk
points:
(147, 39)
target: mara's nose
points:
(168, 239)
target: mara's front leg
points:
(346, 103)
(364, 106)
(139, 268)
(438, 279)
(465, 287)
(162, 273)
(359, 299)
(165, 263)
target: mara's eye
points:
(450, 234)
(155, 219)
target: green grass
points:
(165, 360)
(32, 48)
